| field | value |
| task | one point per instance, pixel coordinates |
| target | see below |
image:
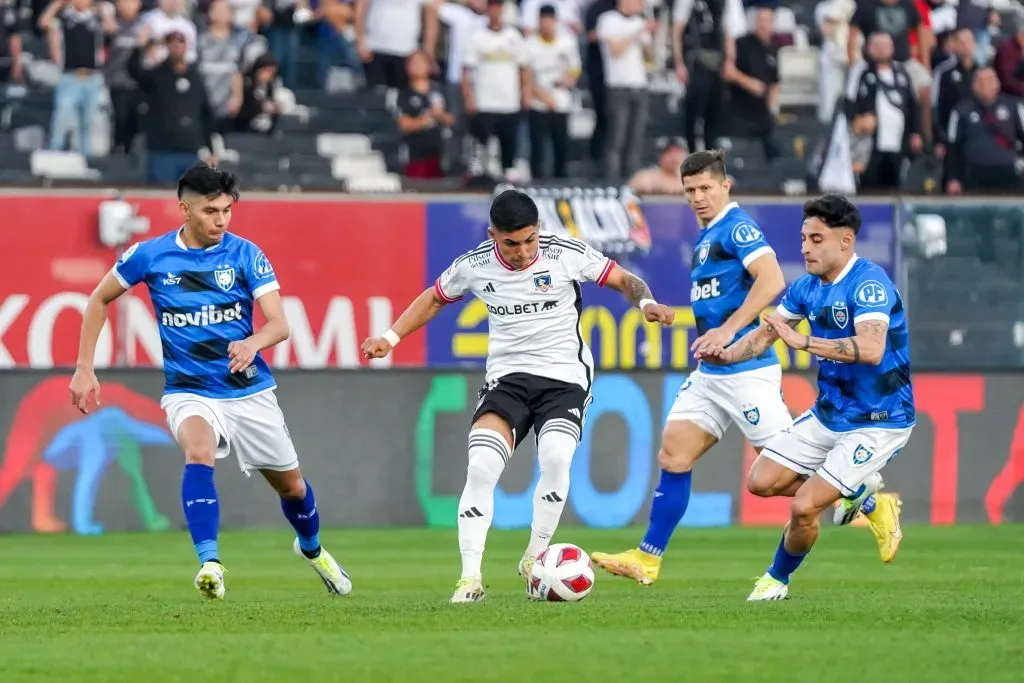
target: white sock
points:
(488, 454)
(555, 447)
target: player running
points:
(864, 413)
(219, 392)
(735, 277)
(539, 371)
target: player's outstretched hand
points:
(659, 313)
(787, 334)
(376, 347)
(713, 338)
(84, 384)
(712, 355)
(242, 354)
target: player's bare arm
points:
(750, 345)
(274, 331)
(867, 346)
(639, 295)
(768, 284)
(84, 382)
(420, 312)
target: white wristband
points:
(643, 303)
(392, 338)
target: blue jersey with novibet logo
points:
(725, 248)
(857, 395)
(204, 301)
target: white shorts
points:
(252, 428)
(752, 399)
(843, 459)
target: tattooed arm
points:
(750, 345)
(867, 346)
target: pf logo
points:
(871, 293)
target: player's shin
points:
(555, 448)
(488, 453)
(302, 514)
(202, 510)
(671, 499)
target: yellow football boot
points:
(634, 564)
(885, 524)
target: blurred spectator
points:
(170, 16)
(462, 22)
(10, 45)
(243, 14)
(388, 31)
(833, 19)
(881, 102)
(283, 19)
(625, 38)
(259, 111)
(422, 116)
(492, 83)
(567, 16)
(975, 16)
(953, 79)
(984, 134)
(703, 41)
(662, 178)
(225, 53)
(334, 46)
(75, 34)
(594, 69)
(1009, 61)
(179, 120)
(553, 65)
(122, 31)
(754, 85)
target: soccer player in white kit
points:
(539, 370)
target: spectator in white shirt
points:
(462, 20)
(625, 38)
(553, 66)
(567, 13)
(492, 83)
(388, 31)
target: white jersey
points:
(533, 313)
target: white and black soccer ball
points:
(562, 573)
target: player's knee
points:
(675, 460)
(804, 512)
(555, 451)
(200, 454)
(760, 485)
(484, 468)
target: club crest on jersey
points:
(225, 278)
(861, 455)
(752, 415)
(542, 281)
(702, 253)
(840, 314)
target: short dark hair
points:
(513, 210)
(835, 211)
(710, 160)
(548, 11)
(208, 181)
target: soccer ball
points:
(562, 573)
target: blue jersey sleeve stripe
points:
(120, 278)
(871, 315)
(264, 289)
(787, 314)
(756, 254)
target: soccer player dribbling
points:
(539, 370)
(864, 413)
(219, 393)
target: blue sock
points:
(202, 510)
(304, 518)
(670, 501)
(784, 563)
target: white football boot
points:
(768, 588)
(470, 589)
(210, 580)
(847, 509)
(327, 568)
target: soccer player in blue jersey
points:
(219, 392)
(864, 413)
(735, 276)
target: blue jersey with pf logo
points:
(203, 300)
(856, 395)
(720, 279)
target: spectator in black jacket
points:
(985, 134)
(953, 79)
(179, 121)
(259, 111)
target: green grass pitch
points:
(122, 608)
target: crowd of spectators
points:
(476, 80)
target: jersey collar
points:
(508, 266)
(728, 207)
(181, 243)
(846, 269)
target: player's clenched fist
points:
(376, 347)
(84, 383)
(659, 313)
